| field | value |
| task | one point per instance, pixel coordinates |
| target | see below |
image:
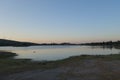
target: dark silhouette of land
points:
(5, 42)
(109, 44)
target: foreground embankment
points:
(85, 67)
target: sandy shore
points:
(96, 69)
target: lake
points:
(51, 53)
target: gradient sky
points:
(60, 20)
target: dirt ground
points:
(81, 70)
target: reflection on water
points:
(40, 53)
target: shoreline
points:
(106, 67)
(8, 58)
(84, 67)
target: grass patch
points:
(7, 54)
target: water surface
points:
(49, 53)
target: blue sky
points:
(60, 20)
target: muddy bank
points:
(82, 70)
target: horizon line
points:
(59, 42)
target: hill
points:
(5, 42)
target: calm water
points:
(48, 53)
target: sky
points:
(48, 21)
